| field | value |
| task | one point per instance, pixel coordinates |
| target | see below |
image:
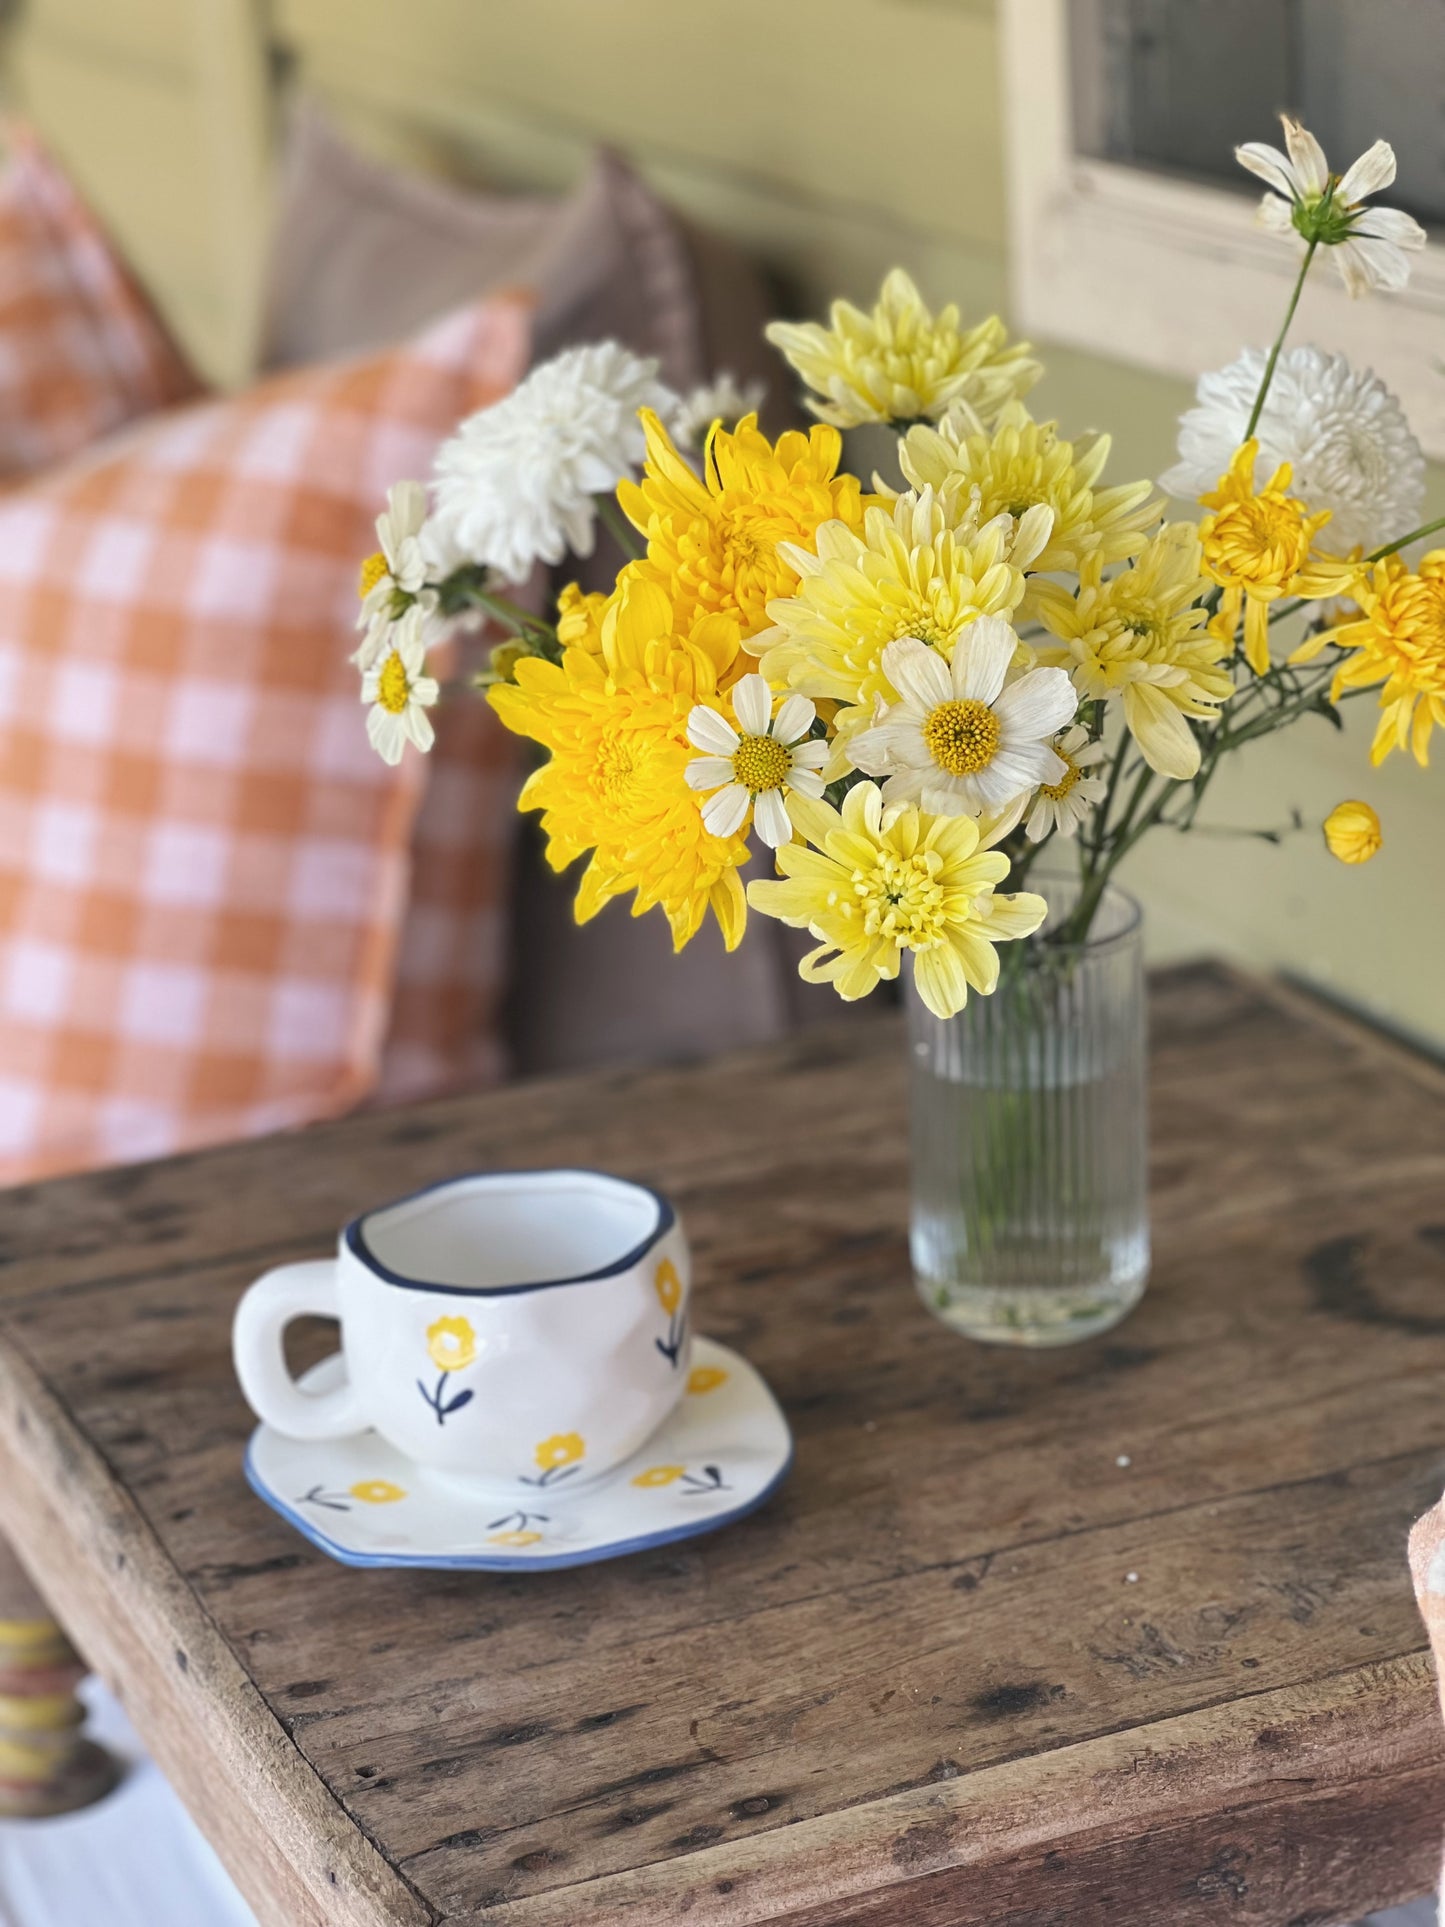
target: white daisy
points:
(965, 740)
(1369, 243)
(399, 691)
(1343, 433)
(723, 399)
(516, 484)
(755, 765)
(1063, 805)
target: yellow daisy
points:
(616, 781)
(1022, 464)
(881, 881)
(1140, 639)
(1258, 545)
(903, 362)
(713, 543)
(1398, 640)
(924, 568)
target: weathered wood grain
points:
(920, 1686)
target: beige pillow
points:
(364, 254)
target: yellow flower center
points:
(393, 688)
(760, 763)
(1056, 792)
(372, 571)
(616, 767)
(900, 897)
(962, 736)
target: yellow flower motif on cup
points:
(452, 1344)
(1352, 832)
(668, 1286)
(563, 1448)
(705, 1378)
(660, 1475)
(377, 1492)
(514, 1539)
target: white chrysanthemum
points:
(1063, 805)
(1371, 245)
(515, 484)
(754, 766)
(723, 399)
(400, 691)
(1341, 430)
(964, 739)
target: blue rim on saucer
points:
(722, 1453)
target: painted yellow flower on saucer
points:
(377, 1492)
(660, 1475)
(452, 1344)
(514, 1539)
(668, 1286)
(705, 1378)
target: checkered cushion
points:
(203, 866)
(80, 350)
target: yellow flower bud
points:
(1352, 831)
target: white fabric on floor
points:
(134, 1860)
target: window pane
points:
(1175, 85)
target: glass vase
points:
(1030, 1183)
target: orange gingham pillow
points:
(203, 865)
(81, 351)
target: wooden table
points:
(1121, 1633)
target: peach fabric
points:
(203, 865)
(81, 351)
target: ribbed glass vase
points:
(1030, 1182)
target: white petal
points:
(1025, 765)
(707, 730)
(1311, 169)
(1389, 224)
(1373, 170)
(723, 814)
(1269, 164)
(418, 726)
(810, 755)
(708, 772)
(1038, 704)
(1380, 263)
(1278, 216)
(770, 819)
(808, 782)
(981, 659)
(386, 734)
(753, 705)
(918, 671)
(794, 719)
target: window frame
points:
(1113, 259)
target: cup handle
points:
(293, 1291)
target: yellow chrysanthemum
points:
(1022, 464)
(1352, 832)
(579, 617)
(902, 362)
(452, 1344)
(712, 543)
(563, 1448)
(1258, 545)
(925, 568)
(1398, 640)
(615, 784)
(881, 881)
(1140, 639)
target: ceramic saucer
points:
(722, 1452)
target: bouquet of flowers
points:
(907, 691)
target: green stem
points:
(1390, 548)
(1269, 366)
(618, 526)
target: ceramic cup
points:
(517, 1329)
